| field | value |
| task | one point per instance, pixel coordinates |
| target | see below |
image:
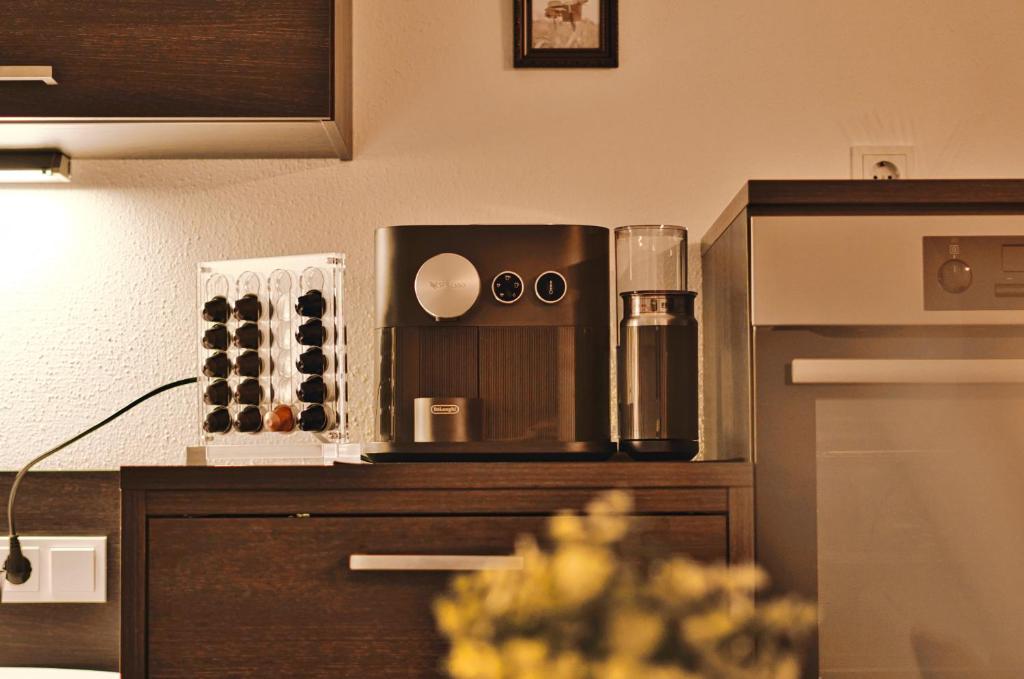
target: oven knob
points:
(955, 276)
(447, 285)
(550, 287)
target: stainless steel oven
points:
(883, 406)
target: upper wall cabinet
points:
(177, 78)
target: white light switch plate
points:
(64, 570)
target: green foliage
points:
(583, 610)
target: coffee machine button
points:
(312, 304)
(447, 285)
(216, 310)
(217, 394)
(311, 333)
(248, 308)
(216, 337)
(250, 420)
(248, 336)
(218, 365)
(313, 390)
(218, 421)
(507, 287)
(312, 362)
(550, 287)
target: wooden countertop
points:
(444, 475)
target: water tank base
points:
(660, 449)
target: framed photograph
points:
(566, 34)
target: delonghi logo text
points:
(445, 409)
(447, 284)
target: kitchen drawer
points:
(169, 58)
(274, 597)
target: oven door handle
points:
(907, 371)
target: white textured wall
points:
(97, 279)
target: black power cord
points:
(17, 568)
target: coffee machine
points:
(493, 342)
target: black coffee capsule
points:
(216, 310)
(248, 336)
(218, 421)
(249, 364)
(217, 394)
(249, 392)
(312, 362)
(216, 337)
(312, 304)
(250, 420)
(217, 365)
(312, 333)
(313, 390)
(248, 308)
(313, 418)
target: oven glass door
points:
(910, 456)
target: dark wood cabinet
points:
(177, 78)
(246, 572)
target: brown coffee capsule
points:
(280, 419)
(248, 308)
(218, 421)
(248, 336)
(218, 365)
(311, 333)
(216, 337)
(249, 392)
(248, 364)
(311, 305)
(314, 418)
(250, 420)
(216, 310)
(217, 394)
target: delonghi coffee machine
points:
(657, 352)
(493, 341)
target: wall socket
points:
(881, 162)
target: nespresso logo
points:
(445, 409)
(447, 284)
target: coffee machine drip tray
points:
(488, 451)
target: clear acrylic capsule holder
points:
(272, 365)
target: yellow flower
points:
(566, 527)
(474, 660)
(635, 633)
(709, 628)
(522, 655)
(581, 572)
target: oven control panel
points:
(973, 273)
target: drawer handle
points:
(27, 73)
(432, 562)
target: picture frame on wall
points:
(566, 34)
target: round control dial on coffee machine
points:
(447, 285)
